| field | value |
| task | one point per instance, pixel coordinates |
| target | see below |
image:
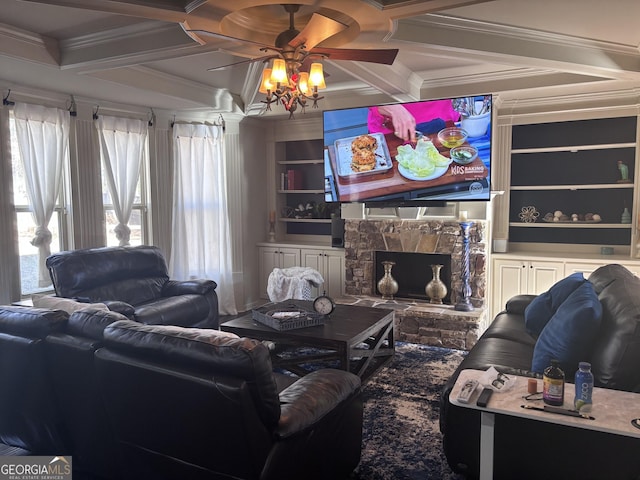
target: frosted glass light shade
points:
(316, 76)
(279, 71)
(303, 82)
(265, 84)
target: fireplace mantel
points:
(363, 237)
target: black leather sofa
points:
(29, 421)
(134, 281)
(526, 449)
(129, 400)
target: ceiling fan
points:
(296, 75)
(301, 46)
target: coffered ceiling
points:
(136, 52)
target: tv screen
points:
(409, 153)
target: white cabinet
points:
(328, 261)
(517, 274)
(275, 257)
(514, 277)
(587, 268)
(330, 264)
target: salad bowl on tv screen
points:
(409, 154)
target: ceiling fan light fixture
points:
(279, 71)
(303, 82)
(316, 76)
(265, 85)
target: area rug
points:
(401, 437)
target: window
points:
(124, 152)
(26, 224)
(138, 221)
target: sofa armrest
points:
(312, 397)
(518, 303)
(174, 288)
(123, 308)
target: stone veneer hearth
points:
(416, 321)
(363, 237)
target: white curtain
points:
(43, 141)
(123, 144)
(201, 243)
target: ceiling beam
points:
(18, 43)
(520, 47)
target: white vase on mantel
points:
(476, 125)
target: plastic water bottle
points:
(553, 384)
(584, 388)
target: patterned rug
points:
(401, 437)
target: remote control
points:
(484, 397)
(467, 390)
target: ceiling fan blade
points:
(318, 28)
(384, 56)
(194, 34)
(241, 62)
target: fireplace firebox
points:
(413, 271)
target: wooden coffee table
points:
(360, 339)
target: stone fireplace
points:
(363, 238)
(417, 320)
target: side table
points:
(613, 411)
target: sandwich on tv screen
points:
(409, 153)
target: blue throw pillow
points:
(542, 308)
(570, 333)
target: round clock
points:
(324, 304)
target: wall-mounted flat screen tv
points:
(408, 154)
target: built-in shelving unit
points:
(583, 166)
(300, 173)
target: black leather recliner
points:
(30, 423)
(71, 360)
(190, 403)
(134, 281)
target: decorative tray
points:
(287, 316)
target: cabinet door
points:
(586, 268)
(289, 257)
(542, 275)
(330, 264)
(315, 259)
(269, 259)
(274, 257)
(334, 274)
(509, 279)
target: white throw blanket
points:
(292, 283)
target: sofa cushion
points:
(65, 304)
(570, 334)
(616, 354)
(31, 322)
(180, 310)
(132, 274)
(91, 323)
(542, 308)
